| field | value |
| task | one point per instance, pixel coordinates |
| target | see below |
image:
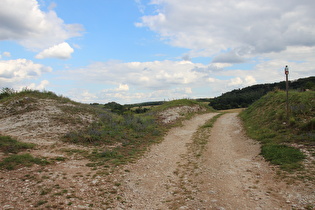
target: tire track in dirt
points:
(230, 173)
(147, 184)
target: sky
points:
(132, 51)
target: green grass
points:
(287, 157)
(7, 94)
(210, 123)
(178, 103)
(10, 145)
(21, 160)
(266, 120)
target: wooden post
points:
(286, 71)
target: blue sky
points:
(132, 51)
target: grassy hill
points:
(266, 120)
(241, 98)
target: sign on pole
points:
(286, 71)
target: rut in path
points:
(228, 175)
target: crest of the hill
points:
(42, 117)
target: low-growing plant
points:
(10, 145)
(210, 123)
(39, 203)
(285, 156)
(22, 160)
(8, 94)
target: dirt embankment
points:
(40, 121)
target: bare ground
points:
(225, 173)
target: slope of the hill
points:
(288, 142)
(42, 118)
(242, 98)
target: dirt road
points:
(229, 173)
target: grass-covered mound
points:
(7, 94)
(266, 120)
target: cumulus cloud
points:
(147, 75)
(158, 80)
(43, 84)
(24, 22)
(260, 26)
(15, 72)
(136, 97)
(122, 87)
(6, 54)
(229, 57)
(61, 51)
(242, 82)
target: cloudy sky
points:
(132, 51)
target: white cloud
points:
(252, 27)
(62, 51)
(136, 97)
(14, 73)
(43, 84)
(188, 90)
(140, 5)
(242, 82)
(236, 82)
(229, 57)
(122, 87)
(158, 80)
(82, 95)
(24, 22)
(6, 54)
(147, 75)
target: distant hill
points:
(241, 98)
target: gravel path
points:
(146, 186)
(230, 174)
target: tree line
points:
(241, 98)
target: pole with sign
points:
(286, 71)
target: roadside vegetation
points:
(122, 136)
(116, 135)
(266, 120)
